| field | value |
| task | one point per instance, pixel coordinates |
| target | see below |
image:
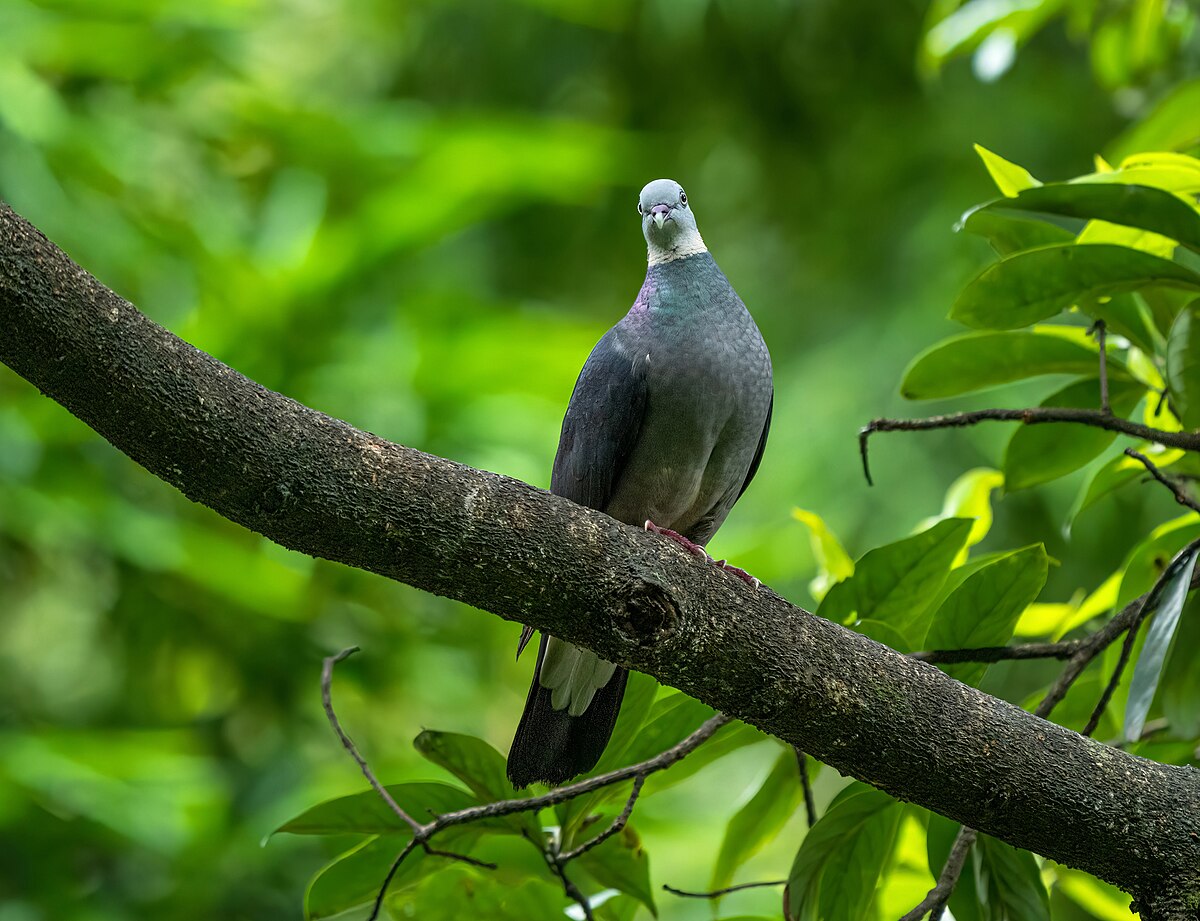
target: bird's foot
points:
(690, 546)
(696, 550)
(752, 581)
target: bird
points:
(665, 429)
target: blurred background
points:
(419, 217)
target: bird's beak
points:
(660, 213)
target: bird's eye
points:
(682, 197)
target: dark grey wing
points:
(602, 424)
(758, 452)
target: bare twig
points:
(1100, 329)
(810, 805)
(717, 893)
(935, 900)
(1035, 415)
(423, 832)
(617, 824)
(1061, 650)
(1180, 496)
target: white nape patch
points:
(688, 244)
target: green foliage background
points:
(419, 216)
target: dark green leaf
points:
(1035, 285)
(984, 610)
(998, 883)
(974, 361)
(1138, 206)
(835, 872)
(1181, 680)
(480, 767)
(1183, 365)
(354, 877)
(1147, 561)
(1127, 315)
(640, 692)
(1111, 476)
(367, 814)
(1148, 670)
(1040, 453)
(895, 583)
(457, 891)
(1012, 233)
(621, 863)
(760, 819)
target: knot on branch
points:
(273, 498)
(647, 613)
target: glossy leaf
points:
(480, 767)
(1183, 365)
(1040, 453)
(1010, 179)
(1180, 684)
(367, 814)
(1035, 285)
(621, 863)
(1139, 206)
(1116, 473)
(456, 891)
(975, 361)
(759, 819)
(970, 496)
(985, 608)
(640, 692)
(998, 883)
(1148, 670)
(842, 857)
(1010, 233)
(833, 563)
(896, 582)
(1151, 556)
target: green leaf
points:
(1127, 315)
(1035, 285)
(367, 814)
(1183, 365)
(1176, 584)
(1012, 233)
(1181, 680)
(833, 563)
(1115, 474)
(640, 691)
(457, 891)
(985, 608)
(759, 819)
(974, 361)
(998, 883)
(1040, 453)
(1138, 206)
(354, 878)
(621, 863)
(896, 582)
(1147, 561)
(842, 857)
(481, 768)
(1010, 179)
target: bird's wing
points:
(602, 424)
(758, 452)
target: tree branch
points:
(319, 486)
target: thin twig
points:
(717, 893)
(810, 805)
(423, 832)
(935, 900)
(327, 701)
(1100, 329)
(617, 824)
(1034, 415)
(1180, 496)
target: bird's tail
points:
(552, 746)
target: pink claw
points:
(696, 550)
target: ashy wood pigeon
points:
(665, 429)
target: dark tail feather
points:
(552, 747)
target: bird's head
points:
(667, 221)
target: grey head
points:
(668, 222)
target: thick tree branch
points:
(319, 486)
